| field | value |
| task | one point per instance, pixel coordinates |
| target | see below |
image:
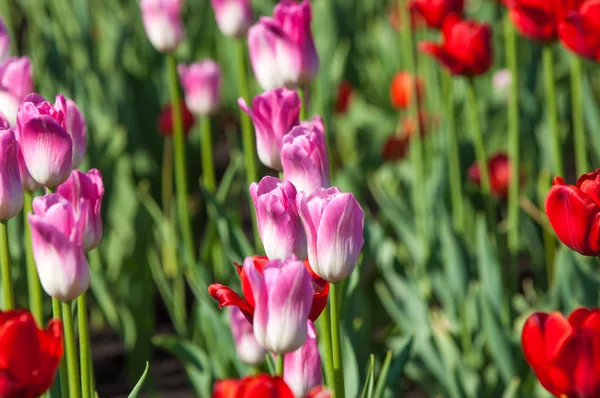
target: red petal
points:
(227, 297)
(319, 298)
(319, 392)
(590, 184)
(51, 351)
(264, 386)
(226, 388)
(532, 341)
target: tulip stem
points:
(208, 166)
(7, 287)
(33, 280)
(478, 139)
(550, 86)
(325, 338)
(84, 346)
(180, 164)
(169, 251)
(581, 159)
(338, 364)
(62, 370)
(279, 365)
(71, 351)
(247, 136)
(303, 103)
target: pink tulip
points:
(274, 113)
(279, 226)
(302, 368)
(4, 124)
(333, 222)
(4, 41)
(15, 83)
(47, 147)
(283, 295)
(201, 82)
(85, 192)
(234, 17)
(11, 189)
(262, 42)
(56, 235)
(77, 128)
(163, 24)
(29, 184)
(304, 157)
(246, 345)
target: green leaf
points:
(488, 267)
(383, 375)
(512, 389)
(136, 390)
(367, 391)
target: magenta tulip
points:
(4, 41)
(77, 128)
(163, 24)
(201, 83)
(302, 368)
(15, 83)
(246, 345)
(234, 17)
(11, 188)
(262, 42)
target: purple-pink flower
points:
(234, 17)
(246, 346)
(302, 368)
(11, 189)
(4, 41)
(163, 24)
(15, 83)
(201, 83)
(262, 43)
(77, 128)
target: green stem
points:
(458, 215)
(7, 287)
(324, 324)
(84, 346)
(279, 369)
(33, 281)
(338, 364)
(62, 370)
(167, 177)
(247, 135)
(208, 166)
(543, 186)
(581, 159)
(550, 87)
(71, 351)
(478, 140)
(303, 103)
(180, 164)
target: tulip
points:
(580, 30)
(501, 81)
(500, 174)
(274, 113)
(304, 157)
(434, 12)
(302, 368)
(227, 297)
(246, 345)
(334, 223)
(77, 128)
(535, 19)
(4, 41)
(467, 47)
(57, 235)
(264, 386)
(344, 97)
(47, 147)
(162, 22)
(29, 184)
(4, 124)
(395, 148)
(279, 226)
(262, 42)
(564, 353)
(574, 212)
(85, 192)
(165, 120)
(201, 83)
(402, 88)
(15, 83)
(11, 188)
(296, 53)
(29, 356)
(234, 17)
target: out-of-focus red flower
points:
(395, 148)
(500, 174)
(535, 19)
(395, 18)
(565, 353)
(574, 212)
(344, 97)
(426, 123)
(434, 12)
(226, 296)
(29, 356)
(579, 30)
(165, 120)
(402, 88)
(466, 49)
(252, 387)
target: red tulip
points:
(395, 148)
(467, 47)
(500, 174)
(29, 356)
(435, 11)
(402, 88)
(535, 19)
(252, 386)
(580, 28)
(574, 212)
(165, 120)
(226, 296)
(344, 97)
(565, 353)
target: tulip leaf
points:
(489, 268)
(512, 389)
(381, 379)
(138, 386)
(367, 391)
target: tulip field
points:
(300, 198)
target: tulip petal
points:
(227, 297)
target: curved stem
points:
(71, 351)
(62, 370)
(550, 88)
(7, 287)
(324, 337)
(84, 346)
(581, 158)
(338, 364)
(34, 288)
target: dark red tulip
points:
(395, 148)
(29, 356)
(500, 174)
(535, 19)
(264, 386)
(574, 212)
(565, 353)
(402, 89)
(434, 12)
(466, 49)
(344, 97)
(227, 297)
(579, 30)
(165, 120)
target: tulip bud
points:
(402, 89)
(262, 43)
(283, 295)
(296, 53)
(537, 19)
(274, 113)
(162, 21)
(15, 83)
(579, 29)
(500, 174)
(246, 345)
(4, 41)
(344, 97)
(234, 17)
(304, 157)
(165, 120)
(278, 223)
(77, 129)
(201, 82)
(56, 235)
(88, 189)
(435, 11)
(333, 222)
(302, 368)
(11, 189)
(47, 147)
